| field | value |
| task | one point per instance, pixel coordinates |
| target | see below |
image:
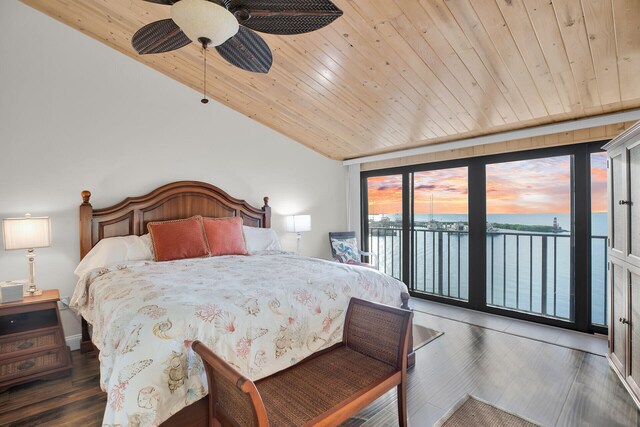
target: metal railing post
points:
(605, 300)
(440, 288)
(543, 302)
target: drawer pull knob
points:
(25, 345)
(27, 364)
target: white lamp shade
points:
(26, 233)
(202, 18)
(298, 223)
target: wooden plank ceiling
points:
(395, 74)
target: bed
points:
(262, 312)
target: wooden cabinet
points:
(633, 161)
(32, 343)
(633, 369)
(624, 258)
(617, 193)
(619, 303)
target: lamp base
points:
(33, 294)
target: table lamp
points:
(27, 233)
(298, 224)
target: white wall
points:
(75, 115)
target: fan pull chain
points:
(204, 100)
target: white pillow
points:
(261, 239)
(114, 250)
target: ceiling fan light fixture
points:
(201, 19)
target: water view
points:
(514, 258)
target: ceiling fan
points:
(228, 25)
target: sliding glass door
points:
(440, 232)
(529, 236)
(519, 234)
(599, 231)
(384, 222)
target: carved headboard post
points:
(86, 215)
(267, 213)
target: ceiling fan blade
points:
(160, 36)
(248, 51)
(284, 16)
(165, 2)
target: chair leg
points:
(402, 404)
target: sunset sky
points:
(529, 186)
(599, 182)
(449, 189)
(385, 194)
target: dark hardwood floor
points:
(549, 384)
(72, 401)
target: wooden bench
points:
(325, 389)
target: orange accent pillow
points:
(179, 239)
(225, 236)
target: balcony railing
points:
(528, 272)
(386, 243)
(545, 269)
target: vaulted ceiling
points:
(395, 74)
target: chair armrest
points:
(378, 331)
(373, 256)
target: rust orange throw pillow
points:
(225, 236)
(178, 239)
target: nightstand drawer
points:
(32, 364)
(30, 342)
(28, 321)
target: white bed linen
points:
(261, 313)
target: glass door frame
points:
(580, 240)
(426, 168)
(577, 243)
(590, 148)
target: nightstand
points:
(32, 344)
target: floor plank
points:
(593, 379)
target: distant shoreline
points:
(534, 228)
(464, 226)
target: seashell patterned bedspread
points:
(261, 313)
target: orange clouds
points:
(599, 182)
(385, 194)
(449, 188)
(527, 186)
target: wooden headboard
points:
(177, 200)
